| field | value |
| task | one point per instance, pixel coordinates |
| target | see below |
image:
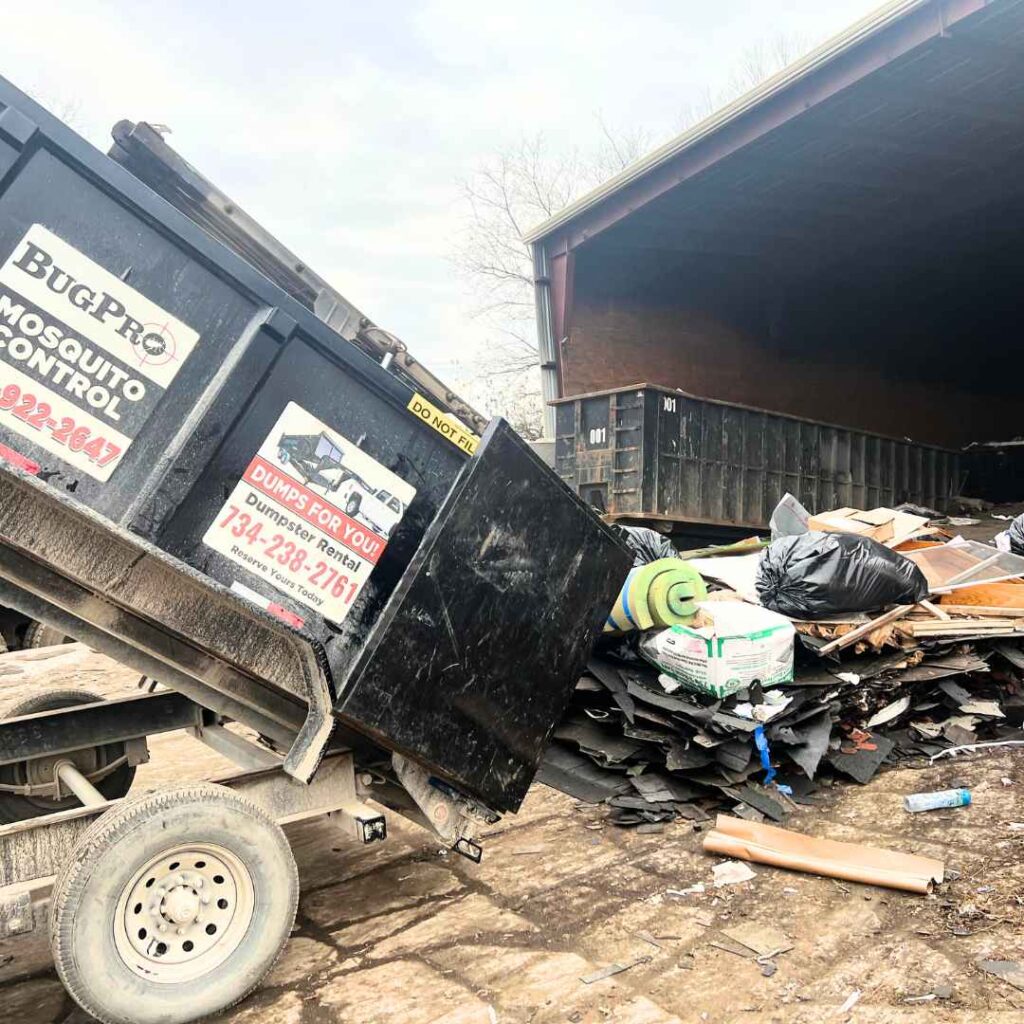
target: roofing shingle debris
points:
(895, 695)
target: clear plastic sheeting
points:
(965, 563)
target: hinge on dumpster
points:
(453, 816)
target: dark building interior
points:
(860, 263)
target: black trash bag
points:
(1015, 535)
(816, 575)
(647, 545)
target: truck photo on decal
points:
(379, 509)
(311, 514)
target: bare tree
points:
(514, 190)
(757, 63)
(514, 395)
(524, 184)
(67, 108)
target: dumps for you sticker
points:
(311, 515)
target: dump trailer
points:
(172, 424)
(142, 150)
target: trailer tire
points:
(184, 845)
(113, 786)
(39, 634)
(353, 503)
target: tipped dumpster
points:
(202, 478)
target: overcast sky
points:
(346, 126)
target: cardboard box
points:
(741, 644)
(884, 525)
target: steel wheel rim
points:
(184, 913)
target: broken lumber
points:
(982, 612)
(933, 610)
(869, 627)
(959, 627)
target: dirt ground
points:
(403, 933)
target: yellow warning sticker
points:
(443, 423)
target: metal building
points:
(839, 245)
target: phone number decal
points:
(287, 553)
(64, 430)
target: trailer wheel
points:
(39, 634)
(353, 503)
(173, 906)
(112, 786)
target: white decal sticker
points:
(84, 357)
(312, 514)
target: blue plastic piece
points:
(761, 742)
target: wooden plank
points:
(932, 610)
(1009, 594)
(960, 625)
(982, 612)
(990, 622)
(957, 628)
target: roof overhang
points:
(867, 46)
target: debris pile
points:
(656, 740)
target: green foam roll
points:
(662, 593)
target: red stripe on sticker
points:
(19, 460)
(314, 508)
(285, 615)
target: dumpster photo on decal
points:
(313, 456)
(311, 514)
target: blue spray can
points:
(933, 801)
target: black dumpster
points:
(663, 456)
(247, 470)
